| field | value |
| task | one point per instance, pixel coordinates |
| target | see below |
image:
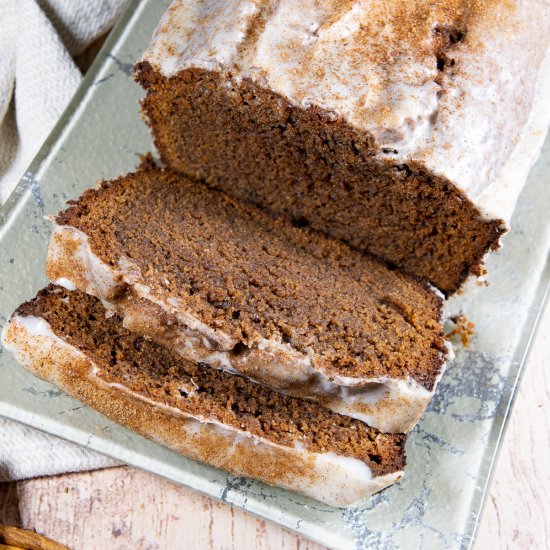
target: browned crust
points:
(15, 538)
(303, 165)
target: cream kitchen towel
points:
(38, 40)
(38, 76)
(26, 453)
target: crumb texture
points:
(314, 171)
(253, 277)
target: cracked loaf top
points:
(456, 85)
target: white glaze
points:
(65, 283)
(482, 128)
(388, 404)
(337, 471)
(36, 326)
(335, 479)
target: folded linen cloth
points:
(26, 453)
(38, 40)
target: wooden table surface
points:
(123, 508)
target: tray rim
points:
(529, 332)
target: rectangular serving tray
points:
(450, 453)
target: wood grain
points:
(124, 508)
(15, 538)
(9, 504)
(517, 513)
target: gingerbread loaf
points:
(406, 129)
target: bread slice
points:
(215, 417)
(224, 284)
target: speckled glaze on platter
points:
(450, 453)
